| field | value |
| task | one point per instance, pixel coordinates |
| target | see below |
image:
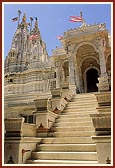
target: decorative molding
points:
(15, 127)
(103, 98)
(102, 123)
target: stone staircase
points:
(69, 141)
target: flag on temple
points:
(32, 37)
(35, 36)
(14, 19)
(59, 37)
(75, 19)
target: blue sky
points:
(53, 19)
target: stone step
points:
(67, 147)
(68, 124)
(65, 155)
(80, 108)
(88, 100)
(66, 115)
(70, 119)
(83, 102)
(76, 128)
(70, 139)
(84, 95)
(67, 140)
(80, 112)
(66, 162)
(80, 98)
(72, 134)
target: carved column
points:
(71, 74)
(103, 79)
(78, 79)
(57, 78)
(71, 69)
(102, 138)
(102, 58)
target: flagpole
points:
(31, 19)
(81, 16)
(19, 13)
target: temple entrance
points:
(92, 80)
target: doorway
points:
(92, 80)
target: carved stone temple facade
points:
(37, 87)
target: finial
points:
(81, 14)
(24, 18)
(19, 12)
(36, 23)
(31, 19)
(35, 18)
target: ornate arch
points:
(85, 78)
(91, 67)
(93, 57)
(83, 43)
(63, 62)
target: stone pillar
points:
(44, 117)
(101, 46)
(57, 102)
(104, 102)
(17, 137)
(103, 146)
(71, 74)
(57, 78)
(77, 77)
(41, 108)
(102, 138)
(103, 79)
(18, 149)
(102, 61)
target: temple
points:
(57, 109)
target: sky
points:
(53, 19)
